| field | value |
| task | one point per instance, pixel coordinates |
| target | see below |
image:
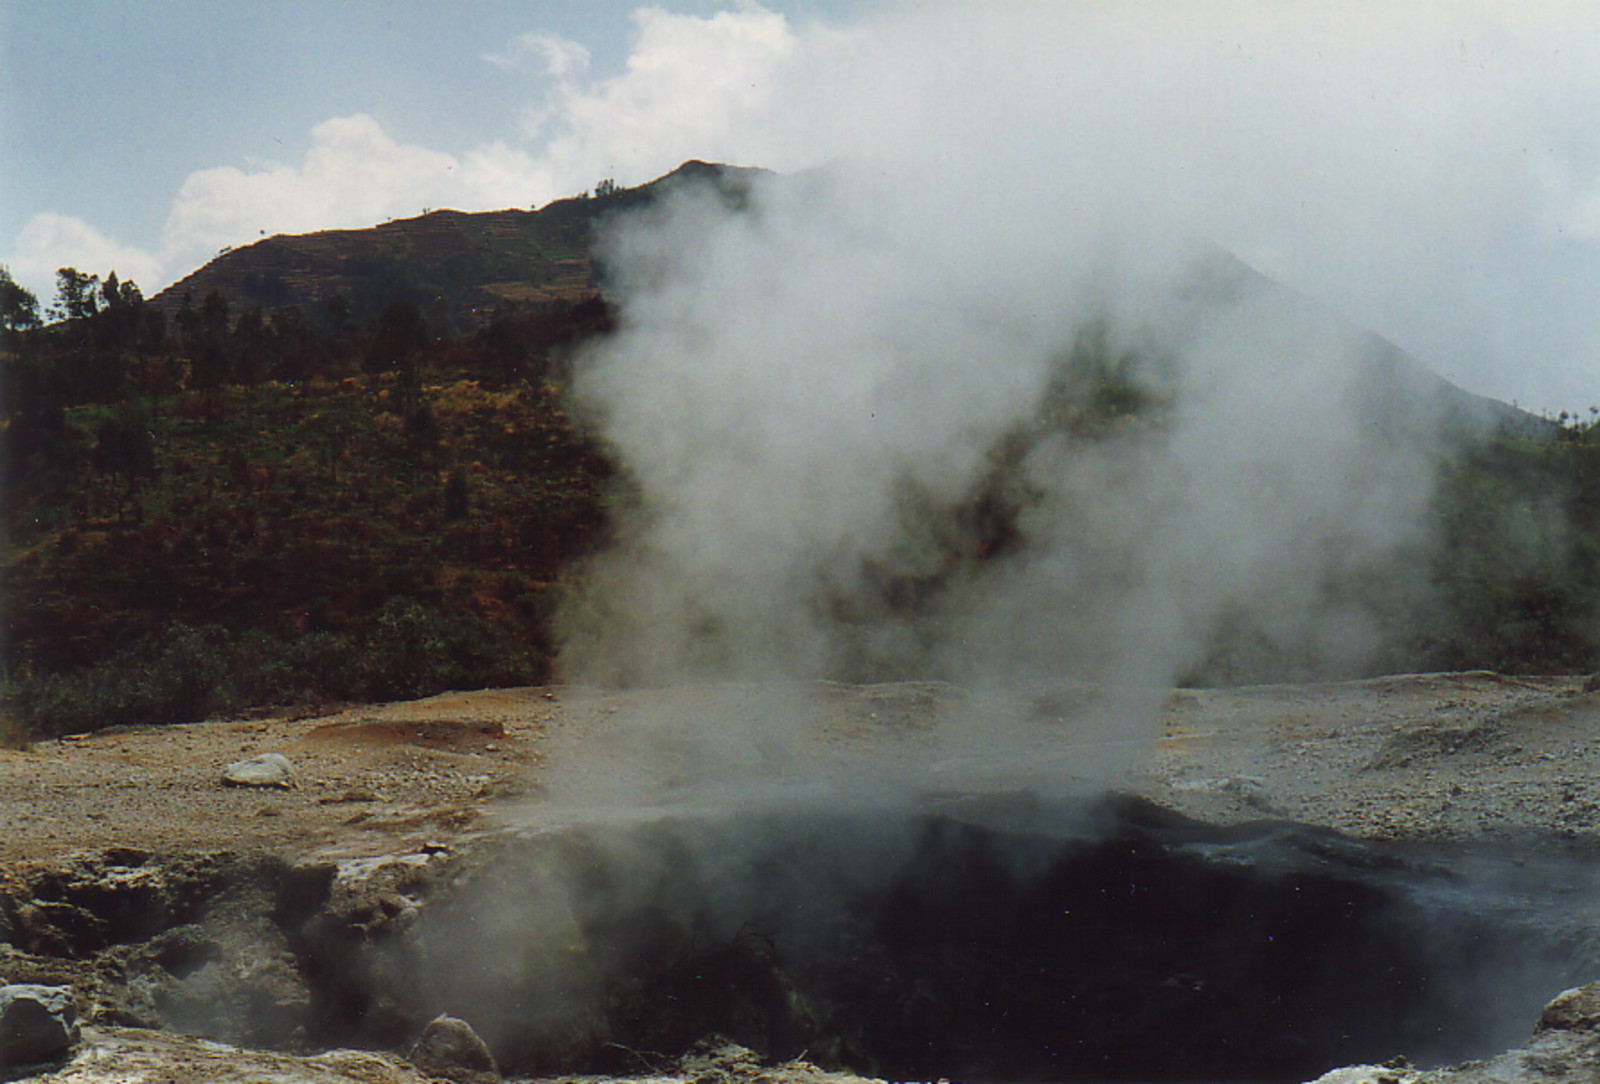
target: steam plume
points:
(1004, 441)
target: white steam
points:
(985, 399)
(811, 385)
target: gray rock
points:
(449, 1048)
(265, 770)
(120, 1055)
(1573, 1010)
(37, 1023)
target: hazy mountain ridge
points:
(458, 266)
(1395, 384)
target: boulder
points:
(1573, 1010)
(264, 770)
(37, 1023)
(449, 1048)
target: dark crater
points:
(1000, 938)
(977, 937)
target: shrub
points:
(13, 735)
(178, 675)
(182, 673)
(416, 650)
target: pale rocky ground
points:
(1465, 757)
(134, 1056)
(1437, 756)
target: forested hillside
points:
(246, 511)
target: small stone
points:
(448, 1047)
(265, 770)
(37, 1023)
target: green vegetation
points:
(237, 510)
(330, 466)
(1505, 578)
(408, 649)
(1516, 564)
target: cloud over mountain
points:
(1431, 169)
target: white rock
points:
(265, 770)
(1367, 1074)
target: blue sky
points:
(108, 108)
(1431, 169)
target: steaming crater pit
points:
(999, 937)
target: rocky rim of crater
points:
(128, 864)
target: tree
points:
(214, 313)
(124, 448)
(120, 322)
(210, 354)
(400, 333)
(111, 291)
(252, 346)
(457, 496)
(299, 348)
(19, 309)
(339, 311)
(397, 343)
(120, 296)
(187, 320)
(77, 294)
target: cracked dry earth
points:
(1468, 757)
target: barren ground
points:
(1442, 756)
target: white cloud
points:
(562, 58)
(49, 241)
(563, 62)
(355, 174)
(1412, 164)
(693, 88)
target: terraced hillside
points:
(458, 266)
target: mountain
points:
(461, 267)
(457, 266)
(205, 515)
(1391, 386)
